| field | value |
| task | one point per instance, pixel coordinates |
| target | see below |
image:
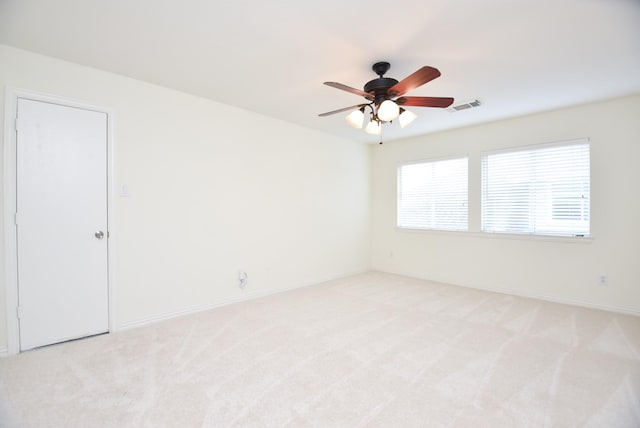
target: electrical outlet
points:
(603, 279)
(242, 279)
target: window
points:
(433, 195)
(542, 190)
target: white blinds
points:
(433, 195)
(543, 190)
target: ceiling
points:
(516, 57)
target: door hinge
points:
(15, 218)
(18, 124)
(18, 312)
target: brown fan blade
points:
(341, 110)
(425, 101)
(419, 78)
(350, 89)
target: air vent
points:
(463, 106)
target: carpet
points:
(370, 350)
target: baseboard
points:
(205, 307)
(4, 352)
(186, 311)
(565, 301)
(545, 297)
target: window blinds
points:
(433, 195)
(543, 190)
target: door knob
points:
(99, 234)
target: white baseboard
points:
(545, 297)
(564, 301)
(205, 307)
(187, 311)
(4, 352)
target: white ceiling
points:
(271, 57)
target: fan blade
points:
(329, 113)
(425, 101)
(419, 78)
(350, 89)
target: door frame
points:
(10, 194)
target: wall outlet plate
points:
(242, 279)
(603, 279)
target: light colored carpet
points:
(374, 350)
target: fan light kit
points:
(383, 102)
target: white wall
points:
(213, 189)
(553, 269)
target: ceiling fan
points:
(385, 98)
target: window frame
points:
(400, 165)
(567, 234)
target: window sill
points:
(495, 235)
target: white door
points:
(61, 223)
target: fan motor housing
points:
(379, 87)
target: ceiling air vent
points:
(464, 106)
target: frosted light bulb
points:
(374, 127)
(388, 110)
(406, 117)
(355, 118)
